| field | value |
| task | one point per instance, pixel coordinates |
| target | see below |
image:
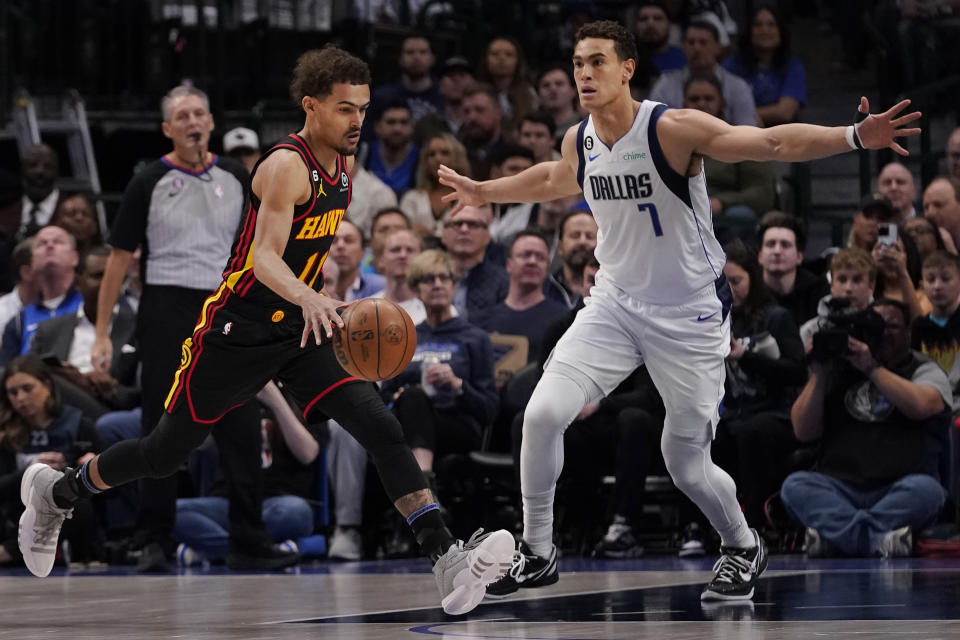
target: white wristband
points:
(848, 134)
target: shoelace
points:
(519, 563)
(473, 540)
(728, 567)
(46, 530)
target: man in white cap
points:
(243, 145)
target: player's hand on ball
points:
(466, 192)
(319, 314)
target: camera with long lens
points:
(830, 341)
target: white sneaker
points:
(188, 556)
(465, 570)
(41, 520)
(896, 544)
(347, 544)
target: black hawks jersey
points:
(314, 224)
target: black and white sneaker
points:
(736, 572)
(528, 571)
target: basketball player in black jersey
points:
(269, 319)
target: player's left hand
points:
(880, 130)
(860, 356)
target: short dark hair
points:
(896, 304)
(100, 250)
(556, 66)
(539, 117)
(318, 70)
(394, 104)
(940, 259)
(387, 211)
(363, 237)
(785, 220)
(705, 26)
(623, 41)
(529, 232)
(703, 76)
(506, 150)
(484, 88)
(567, 216)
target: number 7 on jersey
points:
(654, 218)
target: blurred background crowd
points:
(863, 246)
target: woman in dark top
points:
(779, 81)
(35, 426)
(447, 394)
(764, 370)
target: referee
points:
(184, 209)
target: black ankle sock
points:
(68, 490)
(432, 535)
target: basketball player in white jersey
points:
(660, 297)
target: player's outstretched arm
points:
(282, 182)
(695, 132)
(540, 183)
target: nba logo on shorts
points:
(226, 328)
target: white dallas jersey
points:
(655, 239)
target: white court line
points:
(850, 606)
(643, 612)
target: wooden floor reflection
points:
(647, 598)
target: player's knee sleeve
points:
(686, 460)
(555, 402)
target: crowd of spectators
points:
(856, 352)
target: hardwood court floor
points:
(594, 600)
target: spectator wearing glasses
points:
(447, 393)
(481, 281)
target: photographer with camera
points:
(880, 412)
(853, 275)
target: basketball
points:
(377, 340)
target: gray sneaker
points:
(41, 520)
(896, 544)
(465, 570)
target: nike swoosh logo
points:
(592, 158)
(701, 318)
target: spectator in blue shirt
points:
(393, 157)
(651, 28)
(779, 82)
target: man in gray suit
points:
(65, 342)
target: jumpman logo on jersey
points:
(320, 191)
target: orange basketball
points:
(377, 340)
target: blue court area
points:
(795, 589)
